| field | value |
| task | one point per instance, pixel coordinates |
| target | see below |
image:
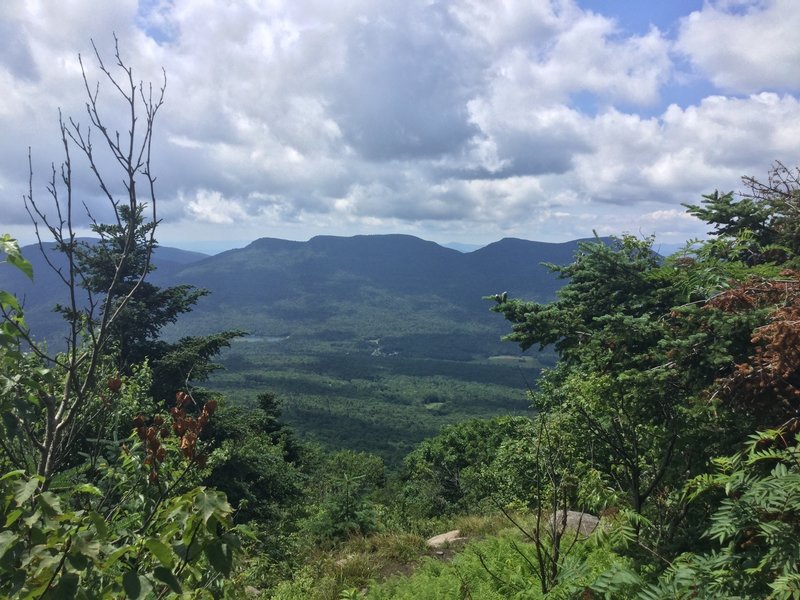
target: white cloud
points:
(532, 118)
(553, 50)
(687, 151)
(210, 206)
(745, 46)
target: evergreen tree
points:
(665, 364)
(148, 308)
(124, 260)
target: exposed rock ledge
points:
(445, 539)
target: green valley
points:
(372, 343)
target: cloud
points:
(686, 151)
(407, 83)
(528, 116)
(745, 46)
(210, 206)
(532, 118)
(556, 50)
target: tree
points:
(667, 363)
(341, 488)
(147, 308)
(640, 341)
(750, 284)
(608, 330)
(124, 515)
(257, 461)
(123, 521)
(445, 474)
(753, 531)
(731, 217)
(765, 387)
(68, 405)
(769, 214)
(135, 332)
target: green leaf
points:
(23, 490)
(78, 561)
(187, 553)
(13, 580)
(161, 551)
(12, 474)
(86, 488)
(22, 264)
(99, 524)
(11, 423)
(8, 301)
(247, 531)
(10, 248)
(12, 517)
(136, 586)
(7, 541)
(87, 545)
(232, 540)
(67, 587)
(220, 556)
(167, 576)
(211, 504)
(131, 584)
(50, 503)
(31, 519)
(116, 555)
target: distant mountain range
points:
(375, 285)
(371, 342)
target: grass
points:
(361, 563)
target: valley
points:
(370, 343)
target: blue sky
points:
(638, 17)
(458, 120)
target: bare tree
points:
(89, 313)
(556, 530)
(779, 197)
(782, 185)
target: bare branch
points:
(90, 311)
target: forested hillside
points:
(371, 286)
(372, 342)
(660, 459)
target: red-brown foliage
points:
(768, 383)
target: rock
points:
(582, 522)
(444, 539)
(343, 561)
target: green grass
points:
(495, 563)
(361, 563)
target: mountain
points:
(418, 297)
(369, 285)
(47, 289)
(373, 342)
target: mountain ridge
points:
(329, 276)
(373, 342)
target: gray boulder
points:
(582, 522)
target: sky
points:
(456, 121)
